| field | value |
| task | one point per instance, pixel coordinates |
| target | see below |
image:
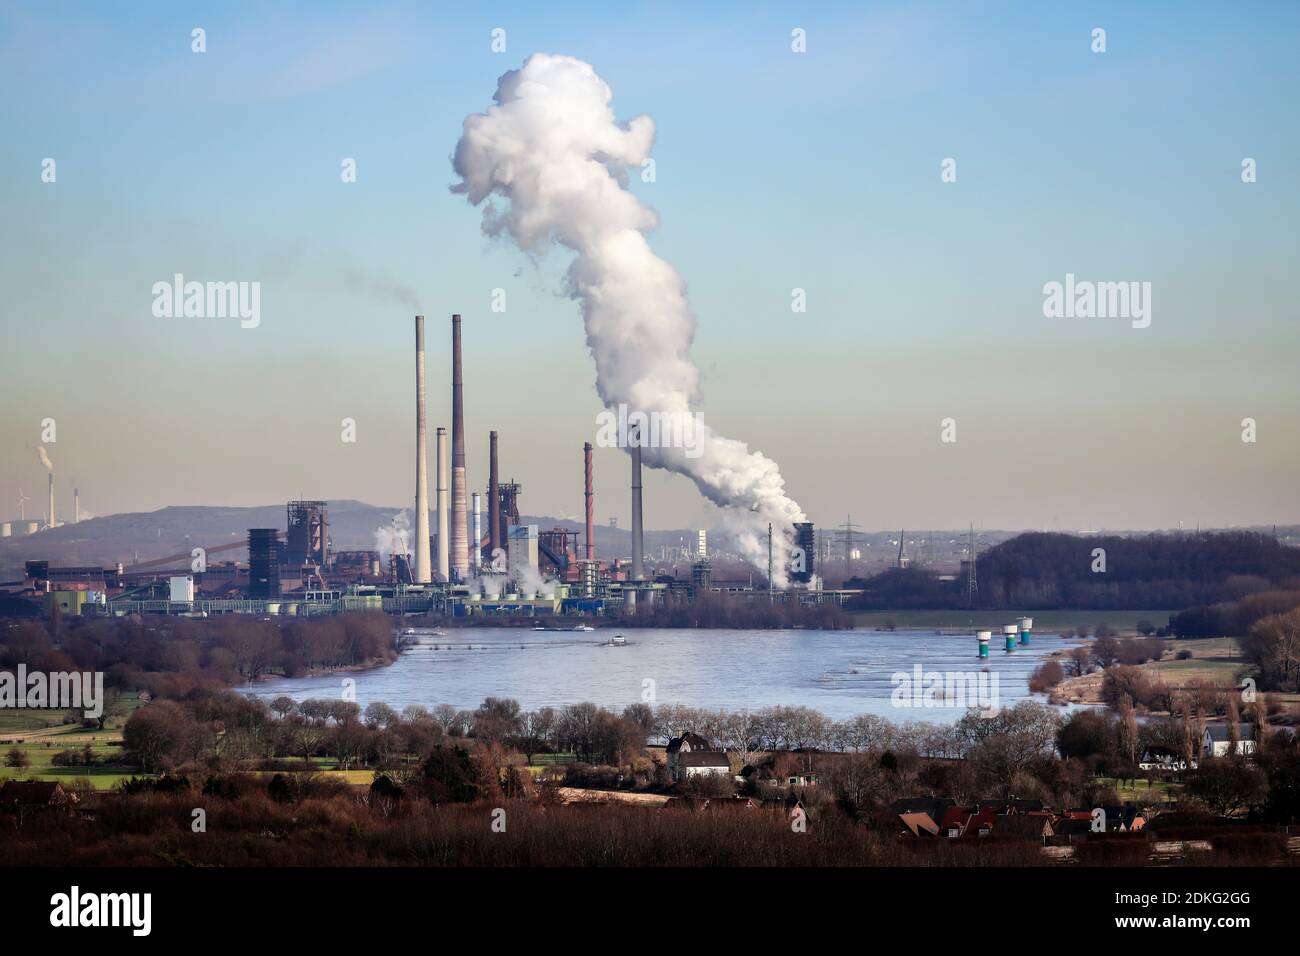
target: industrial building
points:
(466, 563)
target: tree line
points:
(1036, 571)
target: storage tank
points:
(1026, 625)
(1011, 631)
(984, 637)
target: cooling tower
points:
(423, 565)
(444, 507)
(459, 499)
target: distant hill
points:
(141, 536)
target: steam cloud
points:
(552, 147)
(391, 538)
(45, 458)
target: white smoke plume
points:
(45, 458)
(392, 538)
(553, 149)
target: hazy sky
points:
(775, 171)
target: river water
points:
(840, 673)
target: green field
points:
(1142, 790)
(1045, 622)
(40, 734)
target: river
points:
(840, 673)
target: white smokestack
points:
(551, 147)
(444, 505)
(76, 506)
(459, 495)
(476, 539)
(423, 569)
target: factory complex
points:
(463, 556)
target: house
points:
(801, 780)
(918, 824)
(1218, 740)
(1164, 759)
(1013, 805)
(961, 822)
(690, 755)
(933, 807)
(1126, 819)
(23, 796)
(1035, 825)
(712, 804)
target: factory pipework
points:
(444, 502)
(587, 495)
(423, 565)
(459, 498)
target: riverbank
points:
(1053, 621)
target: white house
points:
(690, 755)
(1218, 740)
(1165, 759)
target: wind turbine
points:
(22, 505)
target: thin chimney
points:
(476, 527)
(494, 499)
(444, 503)
(423, 565)
(459, 498)
(638, 548)
(587, 494)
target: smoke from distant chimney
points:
(553, 150)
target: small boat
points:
(618, 640)
(584, 627)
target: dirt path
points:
(576, 795)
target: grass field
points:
(1142, 790)
(1044, 621)
(40, 734)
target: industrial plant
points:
(455, 561)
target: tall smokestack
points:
(638, 548)
(476, 526)
(459, 531)
(53, 521)
(494, 498)
(76, 509)
(586, 460)
(444, 506)
(423, 566)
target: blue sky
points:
(775, 170)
